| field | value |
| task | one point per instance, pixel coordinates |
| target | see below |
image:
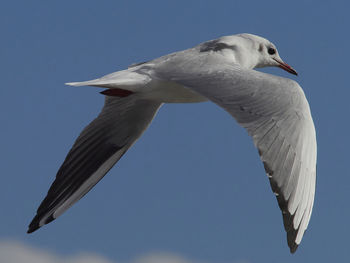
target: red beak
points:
(285, 66)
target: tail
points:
(125, 79)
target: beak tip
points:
(286, 67)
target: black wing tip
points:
(31, 229)
(291, 233)
(288, 218)
(291, 236)
(35, 224)
(293, 247)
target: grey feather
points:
(100, 145)
(276, 115)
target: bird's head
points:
(249, 51)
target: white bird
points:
(272, 109)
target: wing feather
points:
(100, 145)
(276, 115)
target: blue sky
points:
(193, 185)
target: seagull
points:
(273, 110)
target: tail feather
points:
(83, 83)
(121, 79)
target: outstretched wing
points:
(276, 115)
(99, 146)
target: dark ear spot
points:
(209, 45)
(261, 47)
(214, 45)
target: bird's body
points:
(273, 110)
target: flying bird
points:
(272, 109)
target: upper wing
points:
(99, 146)
(276, 114)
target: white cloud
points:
(17, 252)
(162, 258)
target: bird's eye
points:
(271, 51)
